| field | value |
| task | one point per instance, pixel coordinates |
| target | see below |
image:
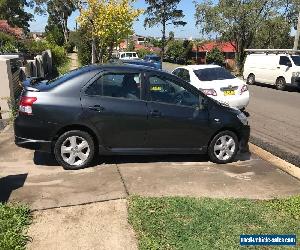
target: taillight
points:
(26, 105)
(244, 89)
(209, 92)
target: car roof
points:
(124, 66)
(197, 67)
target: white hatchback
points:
(217, 83)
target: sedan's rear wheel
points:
(223, 148)
(74, 150)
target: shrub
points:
(215, 56)
(142, 52)
(8, 43)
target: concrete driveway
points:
(35, 178)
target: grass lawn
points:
(190, 223)
(13, 222)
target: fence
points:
(13, 70)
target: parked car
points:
(125, 109)
(217, 83)
(142, 63)
(273, 67)
(126, 55)
(154, 59)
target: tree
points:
(237, 21)
(163, 12)
(171, 36)
(59, 12)
(13, 11)
(215, 56)
(110, 21)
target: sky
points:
(188, 31)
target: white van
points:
(275, 67)
(126, 55)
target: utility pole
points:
(297, 34)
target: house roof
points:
(223, 46)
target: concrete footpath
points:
(86, 209)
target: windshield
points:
(155, 58)
(211, 74)
(296, 60)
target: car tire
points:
(223, 147)
(281, 83)
(75, 150)
(251, 79)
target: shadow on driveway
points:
(44, 159)
(10, 183)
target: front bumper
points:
(44, 146)
(244, 135)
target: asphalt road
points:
(274, 117)
(275, 121)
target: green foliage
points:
(143, 52)
(65, 67)
(14, 12)
(163, 12)
(243, 21)
(59, 13)
(7, 43)
(54, 35)
(179, 51)
(13, 222)
(190, 223)
(82, 40)
(59, 54)
(215, 56)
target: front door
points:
(176, 120)
(113, 103)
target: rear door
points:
(175, 119)
(114, 104)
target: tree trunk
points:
(163, 41)
(93, 50)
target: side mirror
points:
(289, 64)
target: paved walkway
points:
(74, 61)
(54, 194)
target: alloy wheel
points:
(224, 148)
(75, 150)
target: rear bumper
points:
(44, 146)
(238, 101)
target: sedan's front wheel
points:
(223, 147)
(74, 150)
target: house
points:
(228, 48)
(14, 31)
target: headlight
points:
(242, 118)
(296, 74)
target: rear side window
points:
(284, 60)
(125, 85)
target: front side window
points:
(212, 74)
(123, 85)
(284, 60)
(296, 60)
(166, 91)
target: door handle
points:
(156, 113)
(97, 108)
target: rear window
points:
(60, 79)
(212, 74)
